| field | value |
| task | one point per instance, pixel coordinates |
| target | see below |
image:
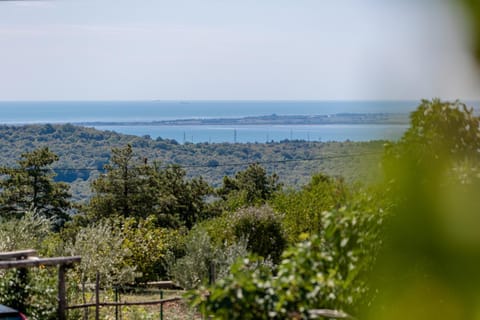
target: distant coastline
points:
(168, 112)
(273, 119)
(224, 121)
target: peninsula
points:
(272, 119)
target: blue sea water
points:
(118, 111)
(262, 133)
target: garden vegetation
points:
(404, 242)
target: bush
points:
(148, 246)
(27, 232)
(102, 251)
(195, 267)
(33, 291)
(259, 227)
(327, 270)
(262, 229)
(245, 293)
(302, 209)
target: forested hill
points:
(83, 151)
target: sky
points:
(234, 50)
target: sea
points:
(116, 112)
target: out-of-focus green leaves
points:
(429, 268)
(472, 8)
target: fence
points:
(97, 305)
(313, 314)
(24, 259)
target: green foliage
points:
(126, 189)
(327, 271)
(148, 246)
(442, 136)
(246, 293)
(303, 209)
(430, 262)
(201, 255)
(26, 232)
(249, 187)
(33, 291)
(80, 147)
(101, 246)
(43, 291)
(219, 229)
(31, 187)
(262, 229)
(134, 188)
(472, 9)
(13, 288)
(443, 126)
(183, 198)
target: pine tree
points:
(249, 187)
(116, 191)
(31, 187)
(132, 187)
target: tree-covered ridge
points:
(409, 242)
(83, 150)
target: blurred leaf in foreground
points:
(429, 268)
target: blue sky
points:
(234, 49)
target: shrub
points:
(148, 246)
(195, 267)
(302, 209)
(327, 270)
(262, 229)
(33, 291)
(102, 251)
(25, 233)
(259, 227)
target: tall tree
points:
(443, 136)
(249, 187)
(31, 187)
(125, 189)
(187, 196)
(134, 188)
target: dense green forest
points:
(407, 240)
(83, 152)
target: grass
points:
(177, 310)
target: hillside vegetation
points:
(84, 151)
(404, 246)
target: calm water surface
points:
(252, 133)
(118, 111)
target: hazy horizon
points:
(247, 50)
